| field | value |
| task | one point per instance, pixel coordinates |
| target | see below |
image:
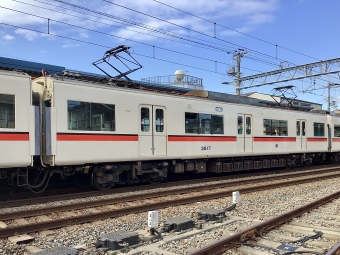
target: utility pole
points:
(329, 94)
(237, 56)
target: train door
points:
(301, 136)
(244, 133)
(152, 137)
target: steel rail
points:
(14, 203)
(235, 239)
(87, 204)
(335, 250)
(23, 229)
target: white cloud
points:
(29, 35)
(247, 14)
(84, 35)
(70, 45)
(8, 37)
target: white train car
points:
(92, 125)
(17, 127)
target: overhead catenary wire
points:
(252, 58)
(105, 34)
(235, 30)
(104, 46)
(136, 41)
(236, 46)
(111, 35)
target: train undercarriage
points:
(106, 176)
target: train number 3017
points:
(205, 148)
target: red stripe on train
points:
(314, 139)
(274, 139)
(336, 139)
(202, 138)
(14, 137)
(96, 137)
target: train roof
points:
(34, 69)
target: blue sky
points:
(309, 27)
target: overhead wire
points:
(189, 29)
(103, 46)
(111, 35)
(148, 44)
(234, 30)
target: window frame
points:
(10, 112)
(92, 116)
(316, 134)
(205, 123)
(277, 129)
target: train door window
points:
(7, 111)
(159, 120)
(267, 125)
(303, 128)
(217, 124)
(145, 119)
(336, 130)
(191, 123)
(248, 125)
(283, 128)
(319, 129)
(297, 128)
(240, 125)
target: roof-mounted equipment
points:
(115, 53)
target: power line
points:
(96, 31)
(105, 46)
(126, 39)
(254, 37)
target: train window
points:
(283, 128)
(159, 120)
(217, 124)
(267, 124)
(205, 123)
(200, 123)
(303, 128)
(145, 119)
(336, 131)
(240, 125)
(297, 128)
(319, 129)
(275, 127)
(91, 116)
(248, 125)
(7, 111)
(191, 123)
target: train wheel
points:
(101, 180)
(154, 178)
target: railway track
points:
(60, 216)
(79, 195)
(267, 237)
